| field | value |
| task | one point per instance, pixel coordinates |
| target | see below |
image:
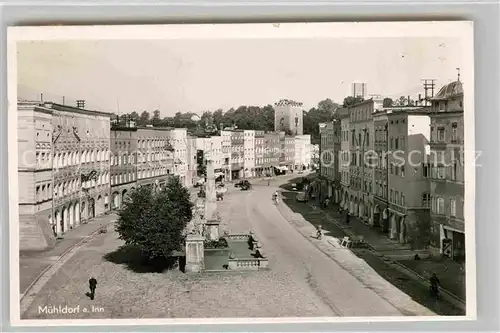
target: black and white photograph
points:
(304, 172)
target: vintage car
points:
(242, 183)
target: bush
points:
(154, 221)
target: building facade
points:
(345, 158)
(192, 164)
(447, 172)
(303, 152)
(226, 153)
(289, 152)
(155, 156)
(64, 170)
(271, 152)
(409, 190)
(237, 154)
(123, 165)
(259, 154)
(178, 138)
(288, 117)
(249, 153)
(381, 173)
(362, 160)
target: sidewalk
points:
(32, 264)
(450, 273)
(305, 216)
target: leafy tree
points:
(155, 221)
(134, 115)
(387, 102)
(144, 118)
(351, 100)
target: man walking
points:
(92, 286)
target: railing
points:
(237, 237)
(248, 264)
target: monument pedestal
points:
(212, 229)
(195, 255)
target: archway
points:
(64, 220)
(71, 216)
(106, 202)
(100, 205)
(91, 208)
(376, 216)
(115, 200)
(57, 222)
(76, 212)
(124, 195)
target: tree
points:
(387, 102)
(156, 117)
(154, 221)
(351, 100)
(144, 118)
(402, 101)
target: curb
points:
(61, 257)
(448, 296)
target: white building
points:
(217, 156)
(192, 165)
(249, 153)
(303, 152)
(180, 145)
(226, 153)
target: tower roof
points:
(449, 91)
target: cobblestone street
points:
(302, 281)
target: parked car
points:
(294, 187)
(242, 183)
(301, 197)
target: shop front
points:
(452, 243)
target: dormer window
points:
(442, 106)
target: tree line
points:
(248, 117)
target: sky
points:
(122, 76)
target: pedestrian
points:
(92, 286)
(434, 285)
(347, 217)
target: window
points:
(367, 139)
(392, 168)
(440, 206)
(440, 134)
(454, 170)
(425, 170)
(454, 135)
(426, 198)
(402, 171)
(442, 106)
(396, 143)
(38, 194)
(402, 200)
(391, 196)
(391, 145)
(396, 197)
(453, 207)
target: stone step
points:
(34, 235)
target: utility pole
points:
(428, 84)
(458, 70)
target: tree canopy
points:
(242, 117)
(154, 220)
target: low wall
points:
(236, 237)
(251, 264)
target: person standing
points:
(347, 218)
(92, 287)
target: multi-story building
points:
(271, 152)
(409, 190)
(63, 170)
(155, 156)
(260, 148)
(344, 157)
(226, 153)
(249, 153)
(192, 165)
(289, 152)
(179, 142)
(217, 155)
(381, 174)
(362, 159)
(237, 154)
(288, 117)
(123, 161)
(303, 152)
(447, 171)
(327, 159)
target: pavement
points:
(32, 264)
(302, 280)
(392, 271)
